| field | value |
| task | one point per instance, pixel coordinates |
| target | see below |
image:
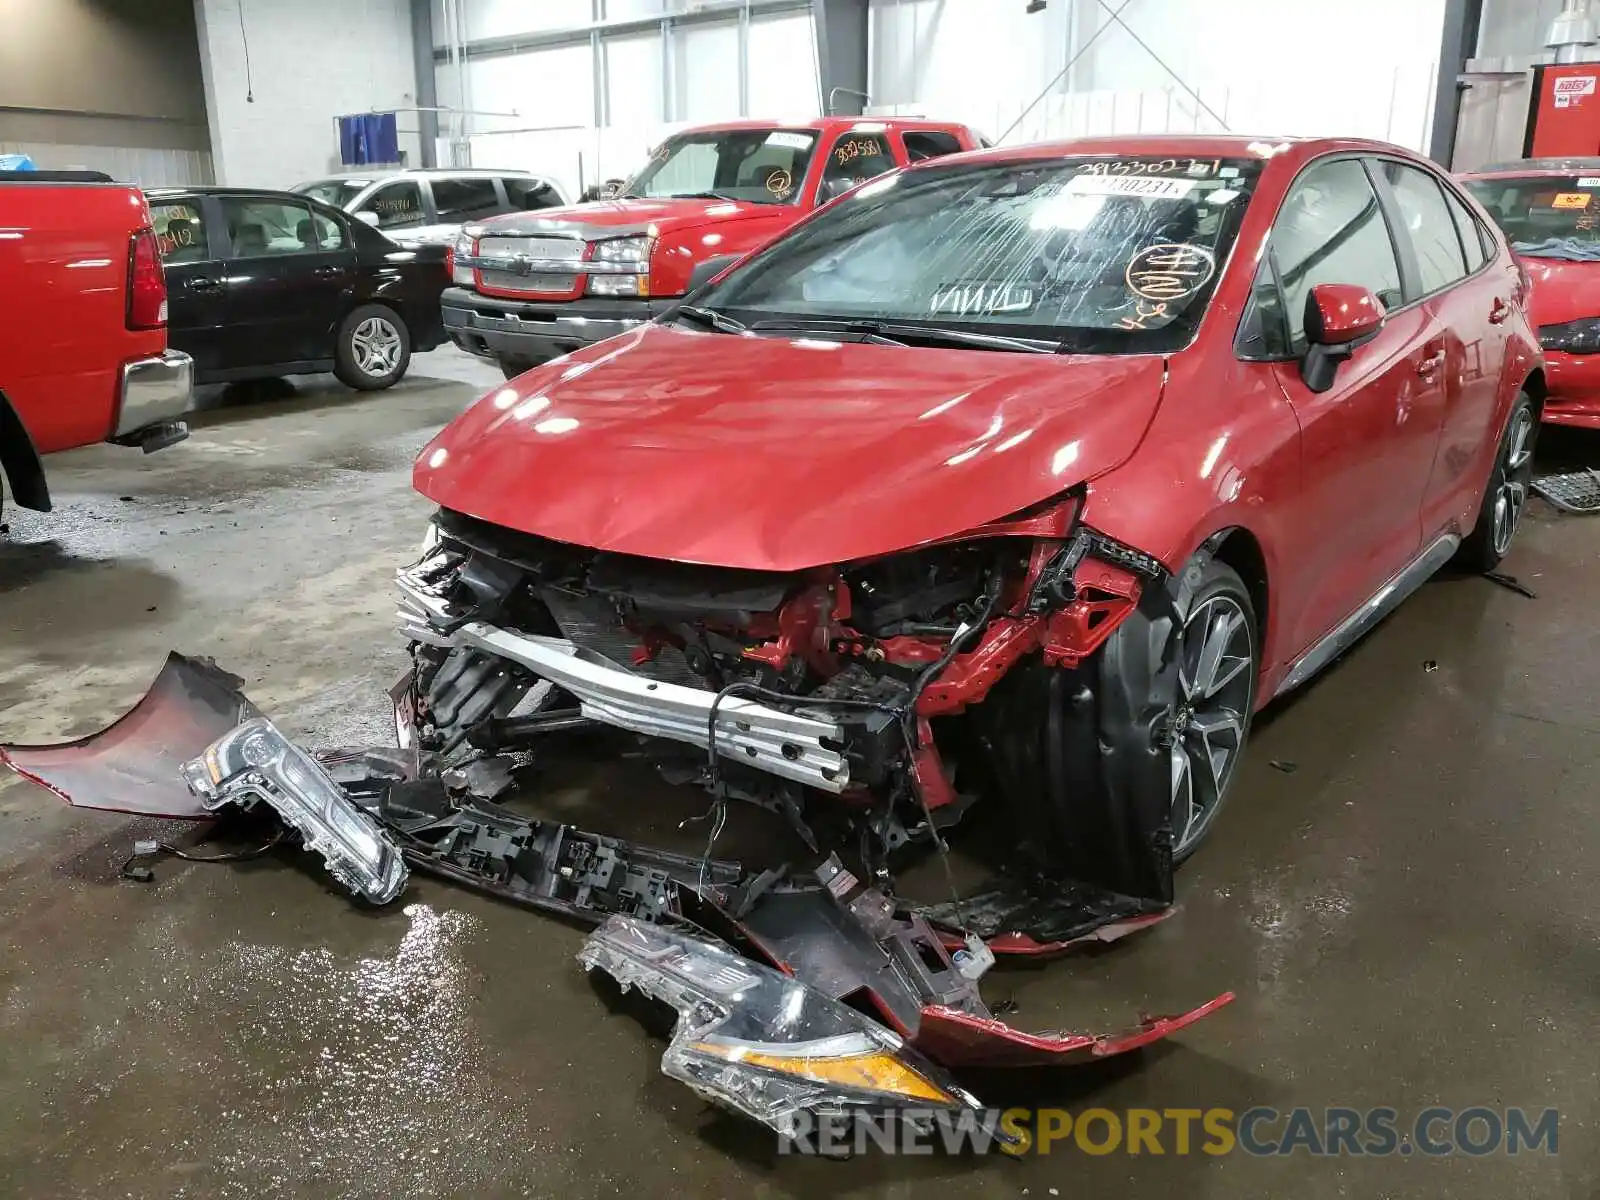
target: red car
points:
(537, 284)
(1027, 474)
(1549, 209)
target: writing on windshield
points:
(1101, 254)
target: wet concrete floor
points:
(1409, 916)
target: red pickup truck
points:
(534, 285)
(84, 356)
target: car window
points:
(855, 158)
(460, 200)
(1331, 230)
(398, 204)
(1092, 254)
(757, 166)
(929, 143)
(525, 193)
(1428, 222)
(180, 231)
(264, 227)
(337, 192)
(1545, 216)
(1471, 232)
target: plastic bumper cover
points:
(531, 330)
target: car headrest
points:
(250, 239)
(307, 234)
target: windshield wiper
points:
(709, 318)
(705, 196)
(893, 333)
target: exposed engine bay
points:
(1024, 678)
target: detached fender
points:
(19, 461)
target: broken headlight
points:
(254, 763)
(761, 1043)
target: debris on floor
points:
(1511, 583)
(1574, 492)
(773, 973)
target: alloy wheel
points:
(1511, 490)
(376, 346)
(1215, 684)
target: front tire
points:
(374, 349)
(1506, 495)
(1219, 660)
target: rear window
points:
(1546, 215)
(180, 231)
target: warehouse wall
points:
(1516, 29)
(579, 118)
(1364, 67)
(309, 61)
(109, 84)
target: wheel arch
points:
(1241, 550)
(19, 460)
(1538, 390)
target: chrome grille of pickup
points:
(561, 249)
(594, 625)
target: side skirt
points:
(1383, 602)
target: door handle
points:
(1499, 312)
(204, 284)
(328, 272)
(1429, 366)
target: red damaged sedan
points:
(1024, 476)
(1550, 211)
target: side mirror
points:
(368, 217)
(708, 269)
(1338, 318)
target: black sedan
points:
(266, 283)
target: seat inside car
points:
(249, 239)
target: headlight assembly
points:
(620, 267)
(254, 763)
(761, 1043)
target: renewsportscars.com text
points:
(1317, 1132)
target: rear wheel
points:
(1506, 496)
(374, 349)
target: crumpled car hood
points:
(779, 454)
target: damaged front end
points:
(1027, 671)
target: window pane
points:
(1467, 226)
(531, 193)
(1428, 221)
(929, 144)
(855, 158)
(1331, 230)
(180, 232)
(329, 233)
(465, 199)
(1558, 214)
(258, 227)
(758, 166)
(398, 205)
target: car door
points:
(1469, 307)
(289, 276)
(399, 208)
(1367, 443)
(856, 156)
(196, 309)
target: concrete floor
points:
(1409, 917)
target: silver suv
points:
(429, 206)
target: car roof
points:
(826, 124)
(1534, 166)
(1297, 150)
(431, 172)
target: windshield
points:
(337, 192)
(759, 166)
(1545, 216)
(1099, 255)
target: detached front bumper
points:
(154, 393)
(534, 331)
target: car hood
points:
(1563, 290)
(621, 218)
(779, 454)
